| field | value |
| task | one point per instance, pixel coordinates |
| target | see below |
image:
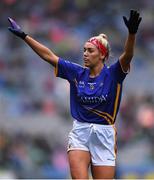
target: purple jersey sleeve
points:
(117, 72)
(67, 70)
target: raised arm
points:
(132, 24)
(44, 52)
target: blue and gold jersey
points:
(93, 100)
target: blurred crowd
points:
(28, 85)
(31, 157)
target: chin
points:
(86, 65)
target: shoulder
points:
(114, 67)
(68, 62)
(116, 71)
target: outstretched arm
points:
(132, 25)
(45, 53)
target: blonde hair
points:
(102, 38)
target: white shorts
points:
(99, 140)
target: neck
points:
(95, 71)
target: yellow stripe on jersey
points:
(100, 114)
(106, 114)
(116, 100)
(106, 118)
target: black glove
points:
(16, 29)
(133, 22)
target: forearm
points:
(129, 45)
(128, 52)
(45, 53)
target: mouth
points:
(86, 59)
(86, 63)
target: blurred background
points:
(34, 104)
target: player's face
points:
(92, 56)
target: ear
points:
(102, 56)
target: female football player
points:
(95, 94)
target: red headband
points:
(100, 46)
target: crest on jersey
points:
(92, 85)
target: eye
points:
(90, 50)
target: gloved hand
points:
(16, 29)
(133, 22)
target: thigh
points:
(103, 172)
(79, 161)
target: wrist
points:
(23, 35)
(132, 30)
(131, 34)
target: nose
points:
(85, 53)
